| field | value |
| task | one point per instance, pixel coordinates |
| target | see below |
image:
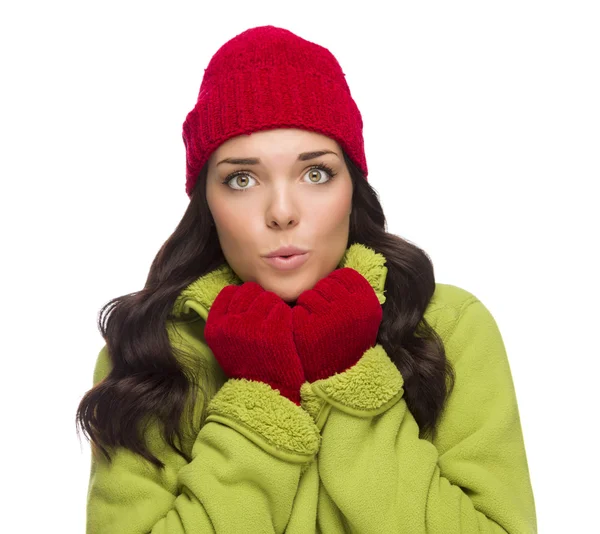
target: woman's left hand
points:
(335, 322)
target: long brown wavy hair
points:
(148, 379)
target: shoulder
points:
(103, 365)
(464, 323)
(190, 349)
(446, 307)
(185, 339)
(451, 306)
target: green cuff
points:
(267, 418)
(315, 405)
(370, 387)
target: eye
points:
(241, 178)
(234, 177)
(317, 170)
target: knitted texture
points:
(249, 330)
(264, 78)
(335, 322)
(259, 464)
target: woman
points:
(338, 390)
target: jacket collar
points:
(197, 298)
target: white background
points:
(482, 135)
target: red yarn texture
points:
(255, 335)
(249, 330)
(335, 323)
(264, 78)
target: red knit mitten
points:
(249, 330)
(335, 322)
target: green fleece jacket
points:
(350, 459)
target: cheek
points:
(332, 215)
(232, 227)
(228, 219)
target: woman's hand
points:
(335, 322)
(249, 330)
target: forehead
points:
(274, 142)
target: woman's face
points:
(279, 200)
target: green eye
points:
(234, 175)
(243, 184)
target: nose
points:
(282, 210)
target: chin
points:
(289, 293)
(289, 298)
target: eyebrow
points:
(255, 161)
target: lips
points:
(286, 251)
(285, 264)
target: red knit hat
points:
(265, 78)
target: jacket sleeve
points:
(247, 460)
(472, 478)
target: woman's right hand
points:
(249, 330)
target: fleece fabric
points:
(351, 458)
